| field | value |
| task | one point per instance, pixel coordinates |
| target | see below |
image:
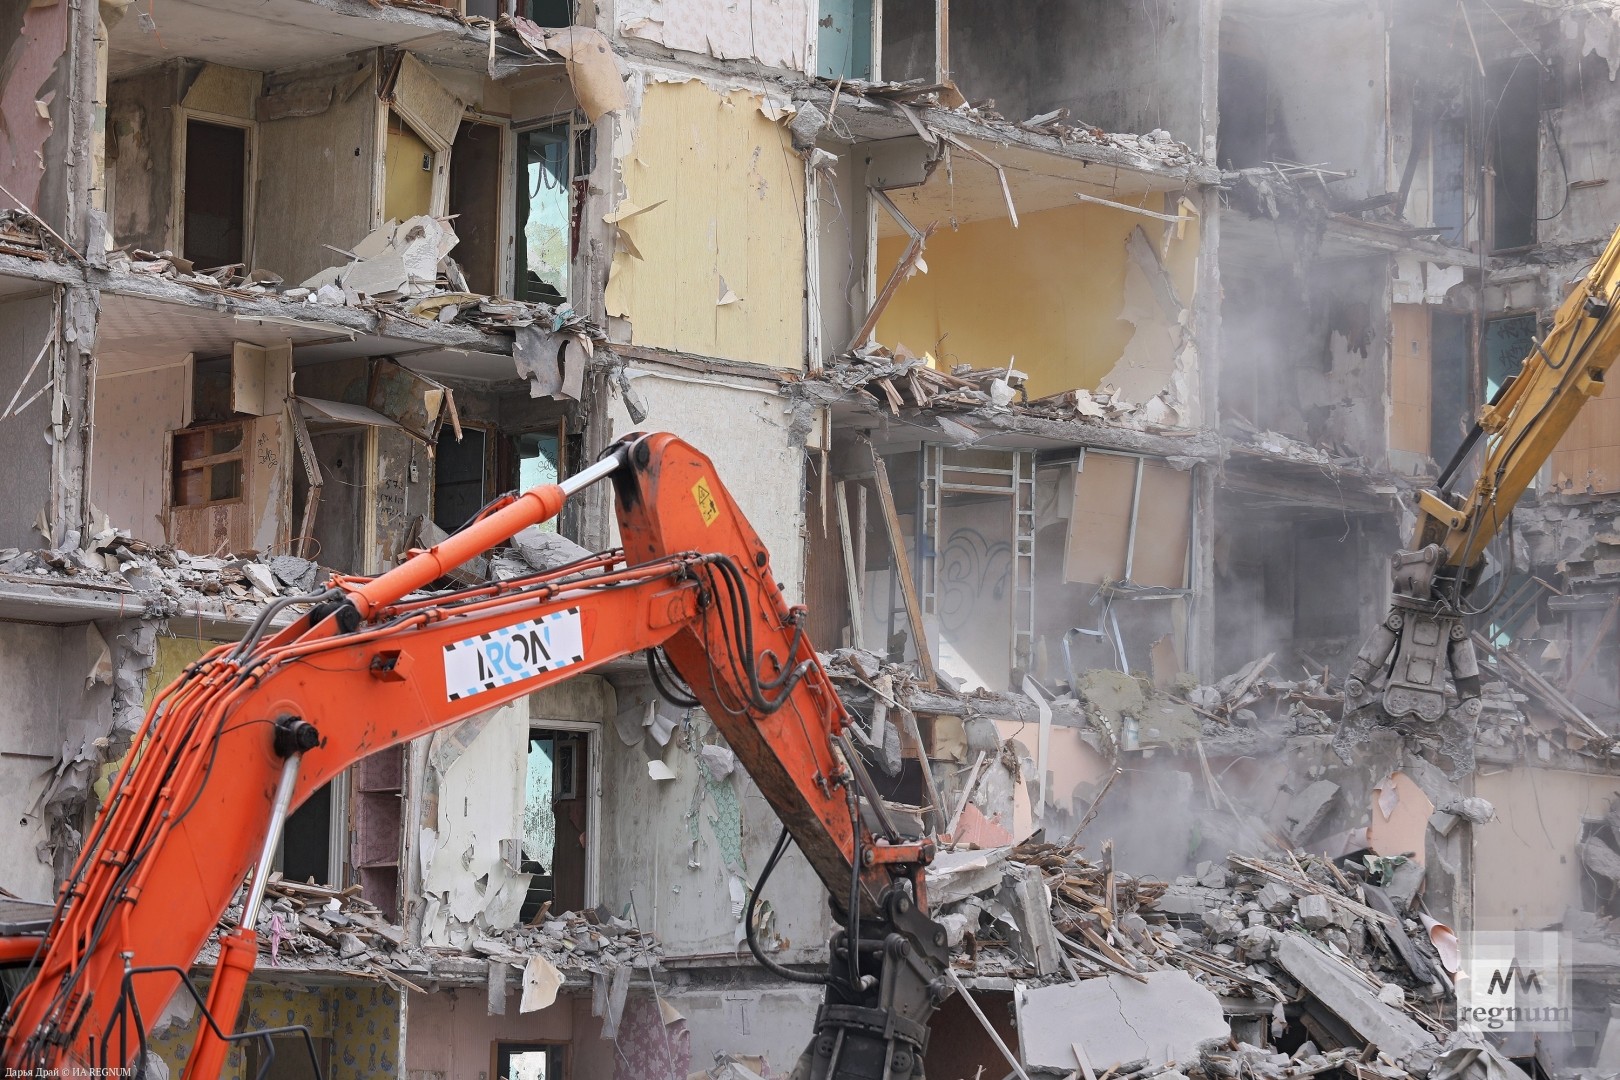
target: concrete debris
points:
(1340, 993)
(306, 927)
(1117, 1020)
(542, 550)
(896, 380)
(1152, 149)
(1309, 808)
(164, 581)
(1285, 927)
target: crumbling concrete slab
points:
(1342, 992)
(1118, 1020)
(956, 875)
(1308, 809)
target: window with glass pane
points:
(544, 214)
(539, 457)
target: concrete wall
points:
(140, 153)
(775, 1024)
(1577, 144)
(1122, 67)
(325, 162)
(134, 414)
(451, 1036)
(1307, 355)
(47, 705)
(756, 446)
(1528, 855)
(25, 490)
(687, 850)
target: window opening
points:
(291, 1060)
(1507, 342)
(475, 201)
(539, 461)
(555, 826)
(1513, 113)
(215, 212)
(544, 214)
(460, 487)
(529, 1061)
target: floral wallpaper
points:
(360, 1019)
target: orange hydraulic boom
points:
(254, 728)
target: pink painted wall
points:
(23, 135)
(1402, 832)
(451, 1033)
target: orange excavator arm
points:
(254, 728)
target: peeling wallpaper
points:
(773, 32)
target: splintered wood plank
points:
(902, 568)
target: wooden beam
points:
(852, 581)
(902, 568)
(902, 270)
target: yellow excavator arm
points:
(1403, 667)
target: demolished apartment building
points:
(1073, 363)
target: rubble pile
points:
(237, 278)
(1316, 948)
(1157, 145)
(167, 579)
(21, 233)
(306, 926)
(1254, 696)
(1247, 437)
(895, 379)
(403, 269)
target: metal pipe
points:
(586, 477)
(272, 836)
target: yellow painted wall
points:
(1528, 855)
(726, 197)
(408, 188)
(1048, 292)
(362, 1020)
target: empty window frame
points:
(208, 465)
(559, 812)
(844, 39)
(546, 221)
(315, 836)
(913, 40)
(216, 154)
(1513, 119)
(530, 1061)
(537, 457)
(477, 174)
(461, 476)
(1508, 340)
